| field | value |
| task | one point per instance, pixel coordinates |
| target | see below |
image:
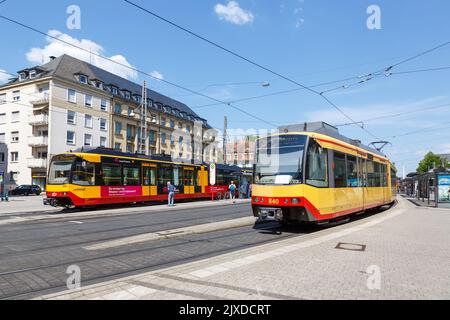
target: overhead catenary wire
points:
(334, 105)
(139, 71)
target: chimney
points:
(52, 58)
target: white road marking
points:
(76, 222)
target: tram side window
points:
(149, 177)
(189, 178)
(112, 175)
(165, 174)
(131, 176)
(352, 172)
(384, 175)
(316, 165)
(340, 175)
(84, 173)
(370, 173)
(377, 174)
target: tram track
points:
(152, 227)
(176, 259)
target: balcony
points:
(38, 120)
(41, 99)
(35, 163)
(38, 141)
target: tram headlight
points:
(295, 201)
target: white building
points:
(67, 104)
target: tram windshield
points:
(279, 159)
(60, 169)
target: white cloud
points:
(4, 77)
(233, 13)
(157, 75)
(57, 48)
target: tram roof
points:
(328, 130)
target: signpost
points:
(3, 194)
(212, 177)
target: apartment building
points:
(241, 152)
(68, 104)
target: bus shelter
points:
(433, 187)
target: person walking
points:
(232, 189)
(171, 197)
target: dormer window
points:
(99, 85)
(114, 90)
(83, 79)
(33, 74)
(137, 98)
(126, 94)
(22, 76)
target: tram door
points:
(362, 172)
(188, 177)
(149, 187)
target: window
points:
(112, 175)
(2, 157)
(151, 136)
(172, 124)
(377, 174)
(352, 172)
(149, 178)
(103, 142)
(83, 173)
(114, 90)
(15, 116)
(188, 129)
(117, 128)
(71, 95)
(33, 74)
(15, 136)
(13, 176)
(370, 171)
(163, 137)
(16, 95)
(103, 125)
(103, 105)
(88, 100)
(163, 122)
(118, 108)
(130, 147)
(316, 165)
(3, 98)
(130, 111)
(71, 117)
(2, 118)
(2, 138)
(99, 84)
(22, 76)
(130, 133)
(88, 121)
(14, 157)
(340, 175)
(165, 174)
(87, 140)
(131, 176)
(384, 175)
(83, 79)
(117, 146)
(172, 140)
(70, 138)
(127, 94)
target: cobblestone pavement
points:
(401, 253)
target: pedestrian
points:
(249, 193)
(232, 189)
(171, 191)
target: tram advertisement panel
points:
(444, 188)
(119, 191)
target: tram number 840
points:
(274, 201)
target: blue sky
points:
(311, 41)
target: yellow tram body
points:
(304, 202)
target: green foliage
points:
(431, 161)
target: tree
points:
(431, 161)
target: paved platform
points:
(425, 203)
(401, 253)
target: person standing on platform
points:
(171, 197)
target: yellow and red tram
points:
(102, 176)
(315, 177)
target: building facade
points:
(68, 104)
(241, 152)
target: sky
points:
(309, 41)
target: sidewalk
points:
(425, 203)
(23, 204)
(402, 253)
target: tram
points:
(313, 174)
(104, 176)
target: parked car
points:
(26, 190)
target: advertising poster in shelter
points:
(444, 188)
